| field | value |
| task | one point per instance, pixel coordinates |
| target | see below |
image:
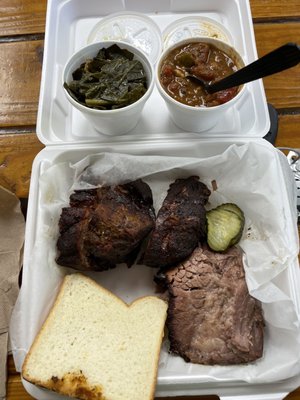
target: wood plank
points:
(19, 17)
(20, 65)
(288, 131)
(295, 395)
(282, 89)
(11, 370)
(15, 389)
(275, 8)
(16, 156)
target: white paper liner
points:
(248, 175)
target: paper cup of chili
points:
(190, 106)
(109, 83)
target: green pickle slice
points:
(225, 225)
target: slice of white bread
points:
(94, 346)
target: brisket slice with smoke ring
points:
(105, 226)
(180, 224)
(212, 319)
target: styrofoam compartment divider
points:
(69, 24)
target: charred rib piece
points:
(212, 319)
(180, 224)
(105, 226)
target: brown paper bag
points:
(12, 227)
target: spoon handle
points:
(284, 57)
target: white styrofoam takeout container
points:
(68, 27)
(68, 137)
(170, 382)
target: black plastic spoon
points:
(284, 57)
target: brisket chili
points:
(204, 61)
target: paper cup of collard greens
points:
(109, 83)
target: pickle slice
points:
(233, 208)
(225, 226)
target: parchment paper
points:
(252, 176)
(12, 227)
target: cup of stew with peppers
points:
(191, 107)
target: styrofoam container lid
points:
(195, 26)
(58, 123)
(132, 27)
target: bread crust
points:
(73, 385)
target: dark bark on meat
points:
(180, 224)
(105, 226)
(212, 319)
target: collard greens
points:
(113, 79)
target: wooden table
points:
(22, 25)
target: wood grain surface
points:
(270, 10)
(19, 17)
(20, 66)
(282, 89)
(22, 27)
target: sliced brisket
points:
(212, 319)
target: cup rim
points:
(186, 106)
(98, 45)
